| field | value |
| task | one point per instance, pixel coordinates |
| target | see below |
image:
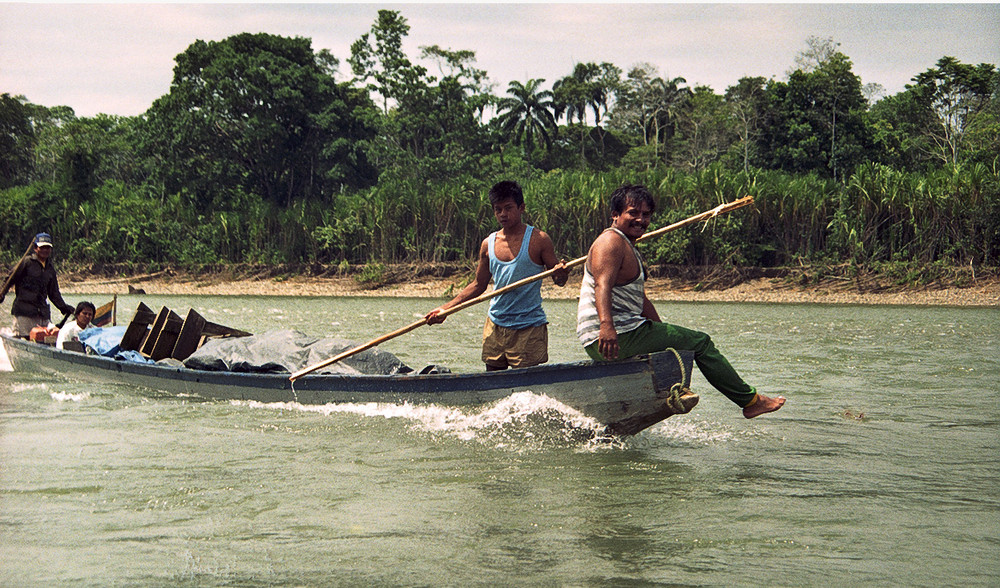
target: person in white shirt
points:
(71, 332)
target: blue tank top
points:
(520, 308)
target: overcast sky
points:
(118, 58)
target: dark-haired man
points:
(82, 316)
(34, 281)
(616, 320)
(516, 331)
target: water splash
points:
(69, 396)
(18, 387)
(523, 421)
(692, 432)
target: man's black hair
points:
(506, 190)
(85, 304)
(630, 193)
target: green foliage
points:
(527, 114)
(17, 138)
(256, 113)
(371, 275)
(258, 155)
(816, 121)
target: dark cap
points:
(43, 240)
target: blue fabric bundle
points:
(106, 342)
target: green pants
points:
(651, 337)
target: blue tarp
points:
(106, 341)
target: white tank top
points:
(626, 302)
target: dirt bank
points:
(797, 285)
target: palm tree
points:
(575, 92)
(527, 114)
(572, 95)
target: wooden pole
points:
(709, 214)
(10, 276)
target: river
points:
(882, 469)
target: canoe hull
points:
(625, 396)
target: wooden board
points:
(216, 330)
(190, 336)
(136, 331)
(166, 338)
(154, 331)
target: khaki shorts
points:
(503, 347)
(24, 324)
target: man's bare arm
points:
(605, 262)
(550, 261)
(476, 288)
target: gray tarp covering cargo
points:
(288, 351)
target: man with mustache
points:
(615, 319)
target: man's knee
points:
(702, 342)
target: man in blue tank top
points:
(616, 320)
(516, 331)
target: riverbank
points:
(785, 285)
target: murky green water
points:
(883, 468)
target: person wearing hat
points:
(34, 281)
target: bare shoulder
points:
(609, 241)
(605, 252)
(540, 238)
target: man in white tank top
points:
(616, 320)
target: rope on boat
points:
(678, 389)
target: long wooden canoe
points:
(625, 396)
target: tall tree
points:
(747, 104)
(527, 114)
(591, 86)
(258, 113)
(452, 110)
(670, 98)
(818, 52)
(816, 120)
(956, 94)
(572, 95)
(378, 59)
(634, 107)
(17, 138)
(704, 129)
(648, 105)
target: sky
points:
(118, 58)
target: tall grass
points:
(878, 214)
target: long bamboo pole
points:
(708, 214)
(10, 276)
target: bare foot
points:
(761, 405)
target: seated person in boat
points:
(615, 319)
(34, 281)
(516, 331)
(71, 331)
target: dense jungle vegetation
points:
(262, 153)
